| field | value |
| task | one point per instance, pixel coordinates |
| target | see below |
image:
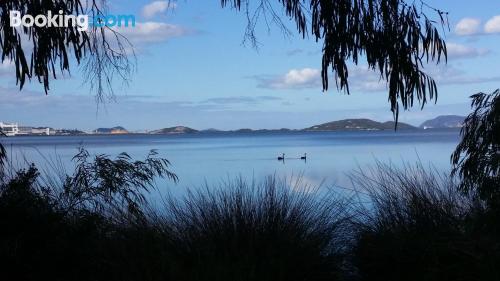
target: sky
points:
(194, 69)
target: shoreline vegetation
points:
(440, 122)
(396, 223)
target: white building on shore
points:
(9, 129)
(40, 131)
(13, 129)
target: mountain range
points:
(174, 131)
(359, 125)
(440, 122)
(444, 121)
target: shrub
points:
(273, 230)
(477, 157)
(418, 226)
(38, 241)
(59, 227)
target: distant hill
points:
(211, 130)
(244, 130)
(444, 121)
(174, 131)
(358, 125)
(261, 130)
(114, 130)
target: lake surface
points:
(213, 158)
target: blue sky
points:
(193, 70)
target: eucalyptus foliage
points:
(395, 38)
(99, 182)
(43, 52)
(477, 158)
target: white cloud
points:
(293, 79)
(472, 26)
(456, 51)
(492, 25)
(360, 78)
(157, 7)
(297, 77)
(468, 26)
(363, 79)
(152, 32)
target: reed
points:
(418, 226)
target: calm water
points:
(213, 158)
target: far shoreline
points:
(239, 132)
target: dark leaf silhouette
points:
(105, 182)
(477, 158)
(394, 37)
(40, 52)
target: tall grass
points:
(238, 231)
(418, 226)
(406, 223)
(259, 231)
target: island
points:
(360, 125)
(174, 131)
(444, 122)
